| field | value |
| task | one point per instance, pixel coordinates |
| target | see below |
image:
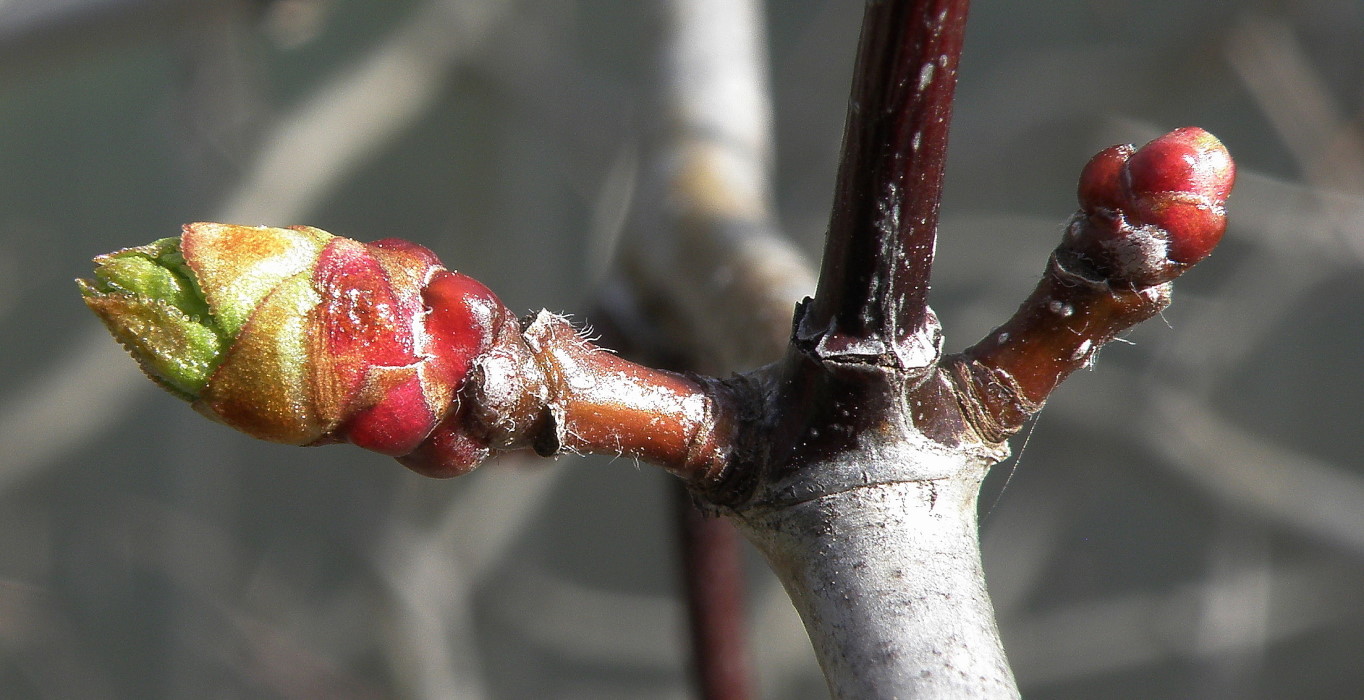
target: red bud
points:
(1149, 213)
(1188, 160)
(1100, 181)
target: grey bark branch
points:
(889, 582)
(874, 534)
(875, 541)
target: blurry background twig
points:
(1212, 552)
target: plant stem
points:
(888, 581)
(867, 474)
(710, 553)
(1007, 376)
(548, 388)
(873, 287)
(712, 570)
(1146, 216)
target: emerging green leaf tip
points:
(150, 301)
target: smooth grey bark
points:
(888, 581)
(873, 532)
(875, 541)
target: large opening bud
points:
(297, 336)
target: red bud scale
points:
(1148, 213)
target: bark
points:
(865, 507)
(888, 581)
(859, 481)
(855, 472)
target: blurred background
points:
(1186, 521)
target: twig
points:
(873, 286)
(1138, 630)
(432, 575)
(709, 547)
(1274, 66)
(36, 32)
(1146, 215)
(354, 114)
(1246, 470)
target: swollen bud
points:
(1180, 183)
(297, 336)
(1147, 214)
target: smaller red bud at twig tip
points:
(1147, 214)
(1101, 180)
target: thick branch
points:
(866, 473)
(889, 583)
(873, 288)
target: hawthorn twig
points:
(1146, 216)
(548, 388)
(873, 286)
(854, 462)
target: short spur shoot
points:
(1146, 215)
(297, 336)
